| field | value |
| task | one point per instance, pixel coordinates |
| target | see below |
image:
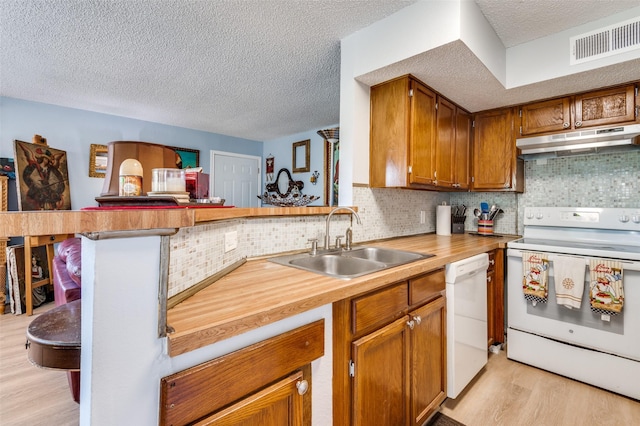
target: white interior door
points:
(236, 178)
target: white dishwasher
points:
(466, 321)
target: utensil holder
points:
(485, 227)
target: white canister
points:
(443, 220)
(130, 178)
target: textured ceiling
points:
(520, 21)
(256, 69)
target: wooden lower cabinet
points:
(394, 373)
(428, 360)
(277, 405)
(495, 297)
(381, 376)
(267, 383)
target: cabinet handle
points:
(303, 387)
(492, 262)
(488, 279)
(565, 125)
(578, 123)
(417, 319)
(411, 324)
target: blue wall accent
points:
(73, 130)
(282, 151)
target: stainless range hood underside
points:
(581, 142)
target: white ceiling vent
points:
(606, 41)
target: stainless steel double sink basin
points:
(353, 263)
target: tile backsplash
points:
(604, 180)
(609, 180)
(198, 252)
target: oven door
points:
(615, 334)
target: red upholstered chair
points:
(67, 287)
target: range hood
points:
(581, 142)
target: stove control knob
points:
(635, 219)
(539, 215)
(529, 215)
(624, 218)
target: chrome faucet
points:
(327, 237)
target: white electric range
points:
(598, 347)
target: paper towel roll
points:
(443, 220)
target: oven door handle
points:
(627, 265)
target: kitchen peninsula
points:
(123, 360)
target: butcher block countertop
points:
(57, 222)
(261, 292)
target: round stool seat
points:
(53, 338)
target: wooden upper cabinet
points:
(546, 116)
(422, 134)
(604, 107)
(403, 119)
(445, 143)
(462, 154)
(495, 165)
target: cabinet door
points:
(491, 306)
(389, 138)
(495, 297)
(277, 405)
(462, 149)
(422, 134)
(609, 106)
(547, 116)
(494, 150)
(445, 143)
(380, 382)
(428, 359)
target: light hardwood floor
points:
(30, 395)
(509, 393)
(504, 393)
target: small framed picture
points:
(98, 159)
(301, 156)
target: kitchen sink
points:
(350, 263)
(338, 265)
(384, 255)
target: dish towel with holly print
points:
(568, 273)
(606, 291)
(535, 269)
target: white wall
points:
(123, 360)
(74, 130)
(548, 57)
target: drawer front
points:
(379, 307)
(426, 286)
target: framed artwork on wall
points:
(98, 156)
(42, 177)
(187, 158)
(301, 158)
